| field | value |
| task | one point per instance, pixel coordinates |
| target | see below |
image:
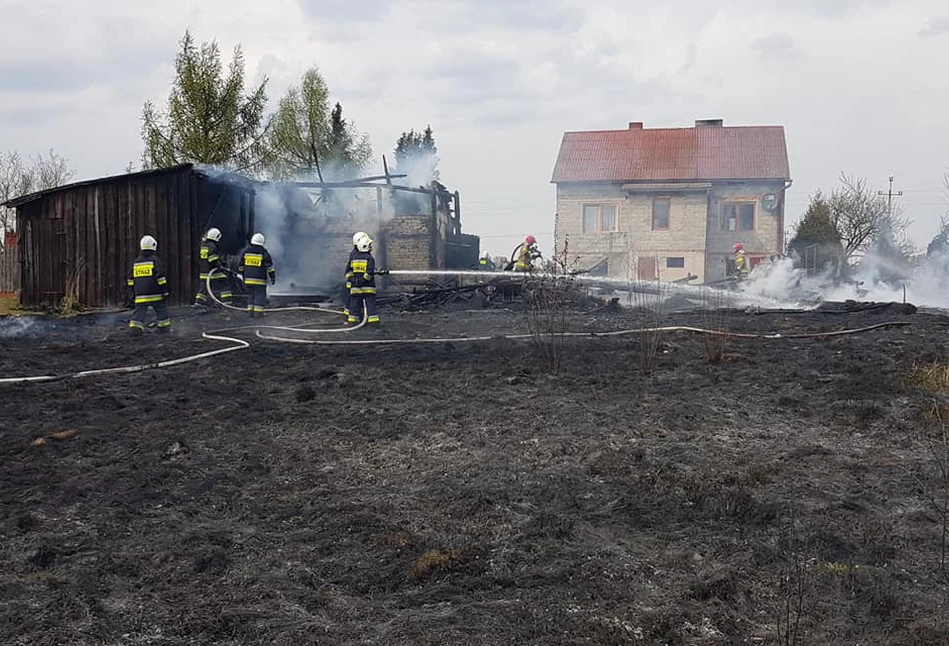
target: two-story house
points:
(670, 203)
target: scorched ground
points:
(459, 493)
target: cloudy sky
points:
(861, 86)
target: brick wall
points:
(401, 242)
(635, 249)
(408, 242)
(634, 246)
(765, 239)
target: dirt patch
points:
(456, 492)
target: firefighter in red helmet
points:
(525, 254)
(741, 262)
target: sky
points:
(860, 87)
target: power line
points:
(889, 198)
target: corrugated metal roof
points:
(673, 154)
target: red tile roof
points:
(673, 154)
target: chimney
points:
(635, 125)
(708, 123)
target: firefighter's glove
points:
(366, 277)
(273, 280)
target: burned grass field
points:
(788, 491)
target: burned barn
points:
(77, 240)
(311, 224)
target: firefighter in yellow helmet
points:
(149, 287)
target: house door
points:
(647, 268)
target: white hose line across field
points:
(214, 335)
(672, 328)
(238, 344)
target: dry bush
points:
(648, 299)
(432, 560)
(933, 479)
(933, 377)
(791, 609)
(549, 296)
(70, 303)
(9, 304)
(715, 317)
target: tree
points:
(349, 151)
(19, 177)
(307, 137)
(939, 245)
(859, 213)
(817, 242)
(209, 119)
(417, 156)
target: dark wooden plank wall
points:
(97, 229)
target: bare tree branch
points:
(18, 178)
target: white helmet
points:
(258, 238)
(364, 244)
(359, 235)
(213, 234)
(148, 243)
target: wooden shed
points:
(78, 240)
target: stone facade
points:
(690, 241)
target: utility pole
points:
(889, 198)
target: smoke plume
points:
(308, 229)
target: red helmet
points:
(530, 240)
(738, 246)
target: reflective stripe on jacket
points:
(361, 272)
(210, 259)
(147, 279)
(256, 266)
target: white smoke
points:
(875, 277)
(303, 224)
(15, 326)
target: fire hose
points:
(671, 328)
(238, 344)
(214, 335)
(298, 308)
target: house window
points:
(738, 216)
(660, 213)
(599, 217)
(675, 263)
